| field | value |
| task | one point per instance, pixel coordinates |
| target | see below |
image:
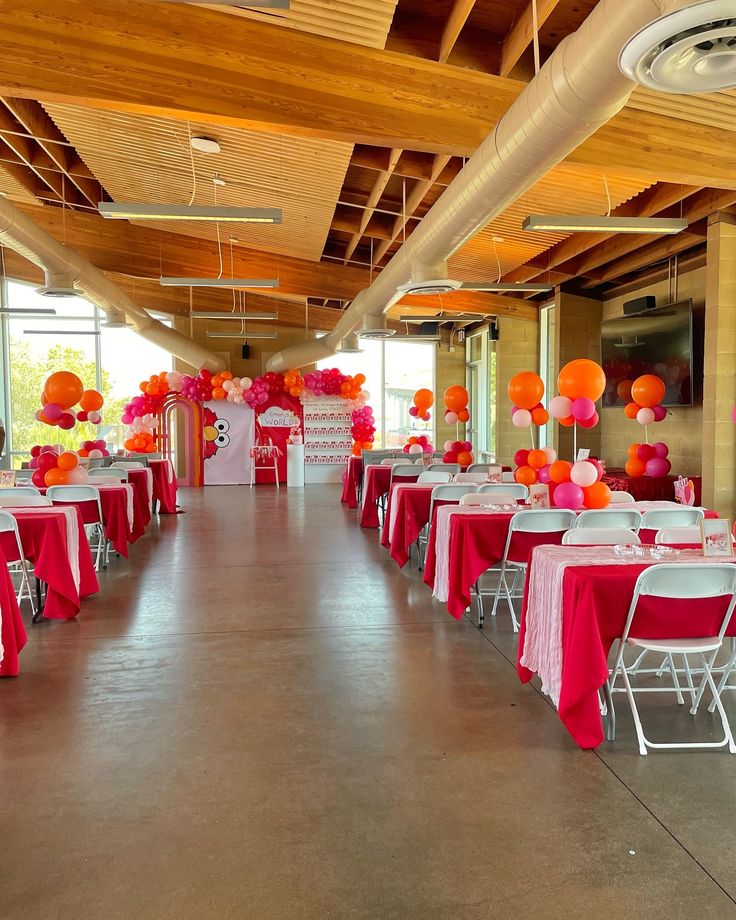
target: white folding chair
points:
(395, 461)
(105, 474)
(610, 517)
(484, 498)
(26, 489)
(447, 467)
(449, 492)
(127, 465)
(469, 477)
(400, 472)
(8, 524)
(481, 467)
(618, 497)
(434, 476)
(516, 489)
(600, 536)
(671, 517)
(691, 581)
(370, 457)
(24, 500)
(671, 536)
(540, 521)
(508, 476)
(75, 495)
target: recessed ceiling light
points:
(253, 314)
(205, 144)
(589, 223)
(242, 335)
(116, 210)
(221, 282)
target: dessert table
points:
(54, 541)
(645, 488)
(575, 606)
(164, 486)
(12, 630)
(351, 479)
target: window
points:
(113, 361)
(480, 361)
(547, 369)
(394, 371)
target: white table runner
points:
(441, 589)
(395, 500)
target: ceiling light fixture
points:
(220, 282)
(502, 286)
(262, 315)
(115, 210)
(242, 335)
(59, 332)
(589, 223)
(20, 311)
(252, 4)
(205, 144)
(446, 318)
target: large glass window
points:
(34, 346)
(394, 371)
(480, 358)
(547, 368)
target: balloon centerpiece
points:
(421, 404)
(456, 400)
(61, 392)
(646, 394)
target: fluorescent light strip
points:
(220, 282)
(506, 286)
(130, 211)
(253, 4)
(58, 332)
(418, 338)
(203, 314)
(242, 335)
(588, 223)
(19, 311)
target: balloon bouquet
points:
(61, 392)
(52, 467)
(645, 395)
(421, 404)
(457, 413)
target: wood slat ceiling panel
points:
(145, 159)
(14, 190)
(717, 110)
(566, 189)
(363, 22)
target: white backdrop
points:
(229, 432)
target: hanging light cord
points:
(535, 30)
(191, 160)
(498, 262)
(608, 195)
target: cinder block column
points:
(719, 384)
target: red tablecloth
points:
(164, 486)
(350, 480)
(118, 528)
(477, 543)
(410, 515)
(12, 630)
(43, 535)
(375, 484)
(595, 604)
(141, 502)
(646, 489)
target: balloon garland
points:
(61, 392)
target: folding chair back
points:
(542, 520)
(393, 461)
(452, 492)
(477, 477)
(480, 467)
(508, 476)
(671, 536)
(619, 497)
(599, 536)
(26, 489)
(610, 517)
(516, 489)
(127, 464)
(447, 467)
(8, 524)
(406, 472)
(27, 500)
(433, 476)
(484, 498)
(374, 456)
(109, 472)
(671, 517)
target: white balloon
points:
(550, 453)
(583, 473)
(559, 407)
(522, 418)
(246, 383)
(645, 416)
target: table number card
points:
(716, 537)
(583, 454)
(7, 479)
(494, 474)
(539, 495)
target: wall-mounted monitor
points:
(658, 341)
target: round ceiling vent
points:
(690, 51)
(52, 290)
(433, 286)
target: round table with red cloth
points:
(142, 498)
(646, 488)
(350, 481)
(595, 604)
(43, 535)
(12, 630)
(164, 486)
(376, 482)
(477, 540)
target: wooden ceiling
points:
(353, 116)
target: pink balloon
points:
(52, 411)
(661, 450)
(560, 407)
(67, 420)
(447, 445)
(582, 409)
(467, 445)
(660, 413)
(543, 474)
(550, 453)
(413, 411)
(658, 466)
(77, 476)
(451, 418)
(100, 443)
(33, 463)
(583, 473)
(590, 422)
(569, 495)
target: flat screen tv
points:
(658, 341)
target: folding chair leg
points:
(501, 583)
(724, 680)
(719, 705)
(635, 713)
(481, 612)
(514, 621)
(675, 680)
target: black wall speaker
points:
(493, 332)
(429, 328)
(640, 305)
(245, 353)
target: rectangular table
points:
(407, 512)
(376, 482)
(12, 630)
(351, 478)
(575, 606)
(164, 486)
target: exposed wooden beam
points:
(379, 187)
(521, 33)
(196, 63)
(459, 13)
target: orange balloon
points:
(463, 416)
(648, 390)
(68, 460)
(227, 375)
(82, 452)
(560, 471)
(216, 381)
(63, 388)
(597, 496)
(536, 459)
(456, 398)
(465, 458)
(143, 385)
(567, 422)
(632, 451)
(582, 377)
(526, 389)
(526, 475)
(635, 468)
(218, 393)
(423, 399)
(623, 390)
(631, 409)
(56, 477)
(540, 416)
(91, 401)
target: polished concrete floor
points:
(261, 718)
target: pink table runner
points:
(569, 633)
